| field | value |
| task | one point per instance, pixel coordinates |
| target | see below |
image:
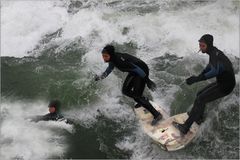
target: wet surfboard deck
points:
(164, 133)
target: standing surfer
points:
(136, 79)
(220, 67)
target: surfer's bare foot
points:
(156, 119)
(181, 127)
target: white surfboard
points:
(164, 133)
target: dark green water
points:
(53, 76)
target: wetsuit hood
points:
(56, 104)
(109, 49)
(208, 39)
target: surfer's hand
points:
(151, 85)
(97, 78)
(192, 80)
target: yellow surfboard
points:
(164, 133)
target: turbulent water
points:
(51, 50)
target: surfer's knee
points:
(124, 91)
(200, 100)
(199, 93)
(137, 99)
(127, 93)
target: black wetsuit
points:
(220, 67)
(51, 117)
(136, 79)
(48, 117)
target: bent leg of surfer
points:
(133, 87)
(208, 95)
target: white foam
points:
(23, 23)
(21, 138)
(108, 106)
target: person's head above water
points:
(54, 106)
(107, 52)
(205, 43)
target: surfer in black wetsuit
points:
(136, 79)
(220, 67)
(53, 115)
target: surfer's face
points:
(203, 47)
(106, 57)
(52, 109)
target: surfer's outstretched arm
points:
(105, 73)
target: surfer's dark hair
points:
(109, 49)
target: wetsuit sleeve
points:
(46, 117)
(214, 71)
(41, 118)
(205, 70)
(108, 70)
